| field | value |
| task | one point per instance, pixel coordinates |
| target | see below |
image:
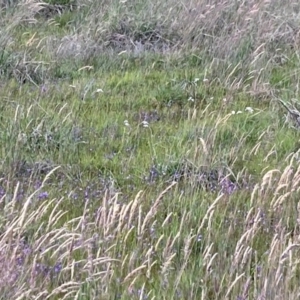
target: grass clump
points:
(146, 152)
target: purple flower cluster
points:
(2, 192)
(43, 195)
(14, 264)
(227, 186)
(211, 180)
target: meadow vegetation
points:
(144, 150)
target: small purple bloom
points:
(20, 260)
(43, 88)
(57, 268)
(227, 186)
(37, 184)
(43, 195)
(2, 192)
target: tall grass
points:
(145, 152)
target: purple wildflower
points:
(43, 195)
(57, 267)
(227, 186)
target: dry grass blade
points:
(233, 284)
(153, 209)
(134, 272)
(293, 112)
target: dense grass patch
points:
(149, 150)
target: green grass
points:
(148, 158)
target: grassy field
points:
(145, 151)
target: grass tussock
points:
(149, 149)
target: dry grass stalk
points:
(153, 210)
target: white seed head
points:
(145, 124)
(249, 109)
